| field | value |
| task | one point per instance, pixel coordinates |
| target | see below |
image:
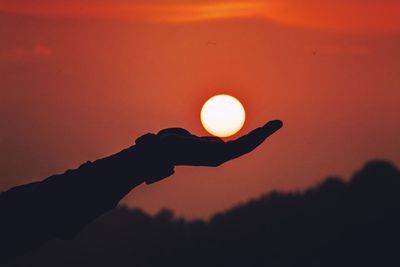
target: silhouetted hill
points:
(334, 223)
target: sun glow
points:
(222, 115)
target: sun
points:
(222, 115)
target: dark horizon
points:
(333, 223)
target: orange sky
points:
(78, 82)
(352, 15)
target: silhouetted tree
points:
(334, 223)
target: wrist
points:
(156, 164)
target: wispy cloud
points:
(352, 15)
(173, 12)
(26, 53)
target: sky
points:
(80, 80)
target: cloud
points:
(366, 16)
(155, 12)
(41, 51)
(23, 53)
(13, 54)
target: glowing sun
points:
(222, 115)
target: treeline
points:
(334, 223)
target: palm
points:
(184, 148)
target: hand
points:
(181, 147)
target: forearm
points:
(61, 205)
(79, 196)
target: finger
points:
(249, 142)
(177, 131)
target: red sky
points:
(367, 16)
(82, 81)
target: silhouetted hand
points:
(181, 147)
(107, 181)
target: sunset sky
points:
(80, 80)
